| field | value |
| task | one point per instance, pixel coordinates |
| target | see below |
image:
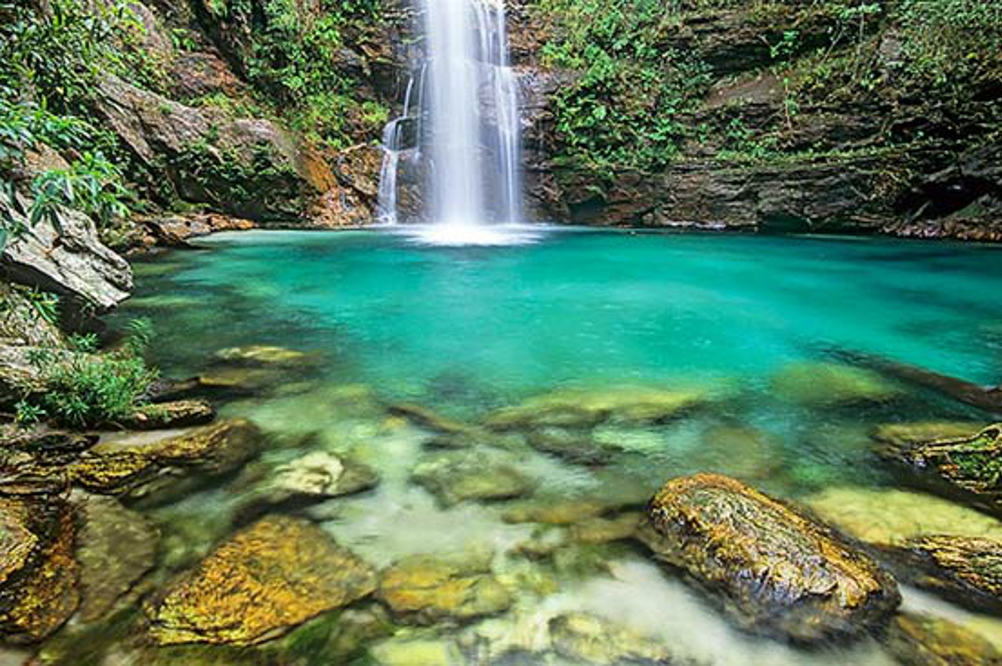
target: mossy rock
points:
(174, 414)
(892, 517)
(820, 385)
(923, 640)
(263, 355)
(429, 419)
(904, 434)
(965, 570)
(583, 638)
(416, 651)
(460, 477)
(426, 589)
(144, 466)
(266, 579)
(573, 445)
(38, 571)
(605, 530)
(968, 467)
(774, 569)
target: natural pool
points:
(741, 342)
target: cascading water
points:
(467, 122)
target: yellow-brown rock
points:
(266, 579)
(922, 640)
(38, 574)
(774, 569)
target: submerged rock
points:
(573, 445)
(263, 581)
(115, 548)
(903, 434)
(816, 384)
(455, 478)
(314, 477)
(138, 468)
(587, 639)
(429, 419)
(428, 589)
(891, 517)
(605, 530)
(38, 573)
(970, 467)
(263, 355)
(416, 652)
(777, 571)
(922, 640)
(966, 570)
(581, 408)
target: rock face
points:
(776, 570)
(426, 589)
(246, 167)
(68, 260)
(22, 325)
(38, 573)
(970, 467)
(921, 640)
(966, 570)
(263, 581)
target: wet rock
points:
(831, 385)
(587, 639)
(892, 517)
(605, 530)
(416, 652)
(21, 323)
(426, 589)
(922, 640)
(263, 581)
(578, 408)
(429, 419)
(968, 467)
(140, 467)
(335, 637)
(175, 414)
(903, 434)
(966, 570)
(177, 230)
(115, 548)
(38, 573)
(314, 477)
(550, 511)
(776, 570)
(67, 259)
(240, 380)
(743, 452)
(455, 478)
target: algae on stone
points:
(824, 384)
(266, 579)
(459, 477)
(923, 640)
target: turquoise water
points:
(760, 330)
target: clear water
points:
(468, 330)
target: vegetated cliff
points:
(813, 114)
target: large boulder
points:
(966, 467)
(266, 579)
(38, 573)
(966, 570)
(64, 258)
(775, 570)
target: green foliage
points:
(92, 185)
(85, 389)
(624, 111)
(293, 63)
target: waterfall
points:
(467, 124)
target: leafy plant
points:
(92, 185)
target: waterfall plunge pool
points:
(762, 328)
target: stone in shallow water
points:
(263, 581)
(455, 478)
(38, 573)
(427, 589)
(263, 355)
(777, 571)
(576, 446)
(892, 517)
(550, 511)
(583, 408)
(429, 419)
(969, 467)
(740, 451)
(816, 384)
(174, 414)
(588, 639)
(115, 548)
(966, 570)
(416, 652)
(922, 640)
(605, 530)
(901, 434)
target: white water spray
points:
(467, 124)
